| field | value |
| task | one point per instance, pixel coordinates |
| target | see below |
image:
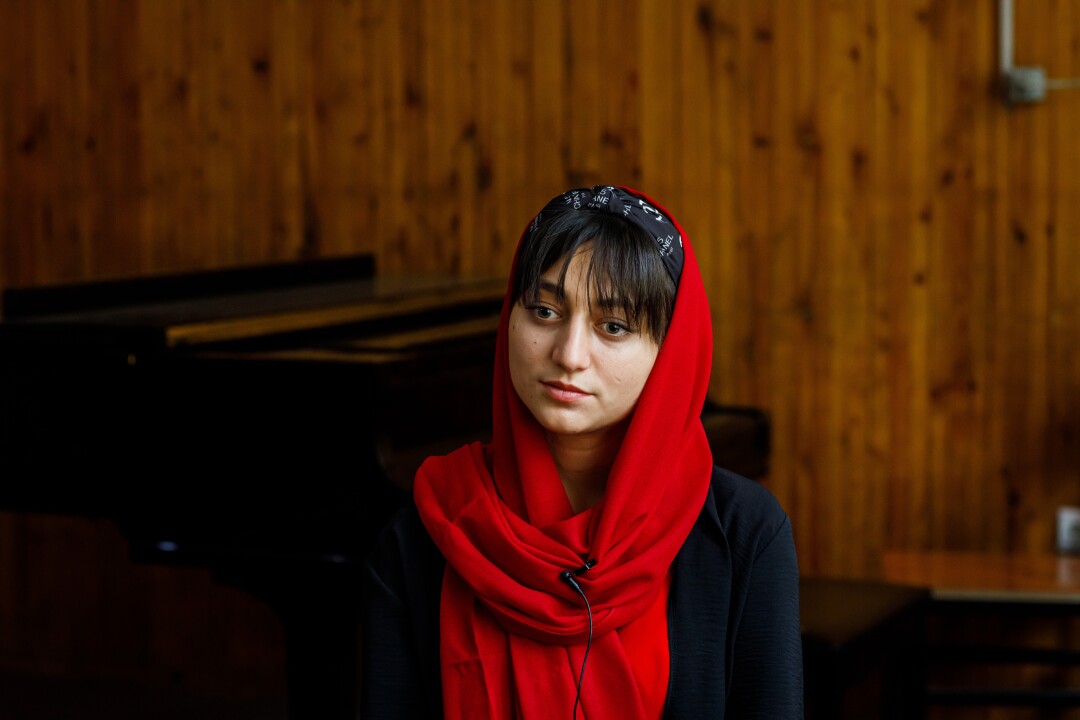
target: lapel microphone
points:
(568, 576)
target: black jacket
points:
(733, 615)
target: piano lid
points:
(198, 309)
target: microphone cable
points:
(568, 576)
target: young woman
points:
(590, 562)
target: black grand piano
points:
(262, 422)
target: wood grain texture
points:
(71, 604)
(890, 252)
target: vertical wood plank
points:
(916, 29)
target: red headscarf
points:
(513, 633)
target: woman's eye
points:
(544, 313)
(615, 328)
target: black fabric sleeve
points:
(766, 678)
(402, 579)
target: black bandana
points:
(621, 202)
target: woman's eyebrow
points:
(547, 285)
(614, 304)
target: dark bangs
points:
(625, 270)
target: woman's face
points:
(578, 369)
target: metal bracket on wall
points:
(1022, 84)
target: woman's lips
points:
(562, 392)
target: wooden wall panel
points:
(891, 253)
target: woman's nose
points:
(571, 349)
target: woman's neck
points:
(584, 463)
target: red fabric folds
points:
(512, 632)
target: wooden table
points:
(966, 584)
(988, 577)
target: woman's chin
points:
(562, 425)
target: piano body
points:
(262, 422)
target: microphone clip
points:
(569, 575)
